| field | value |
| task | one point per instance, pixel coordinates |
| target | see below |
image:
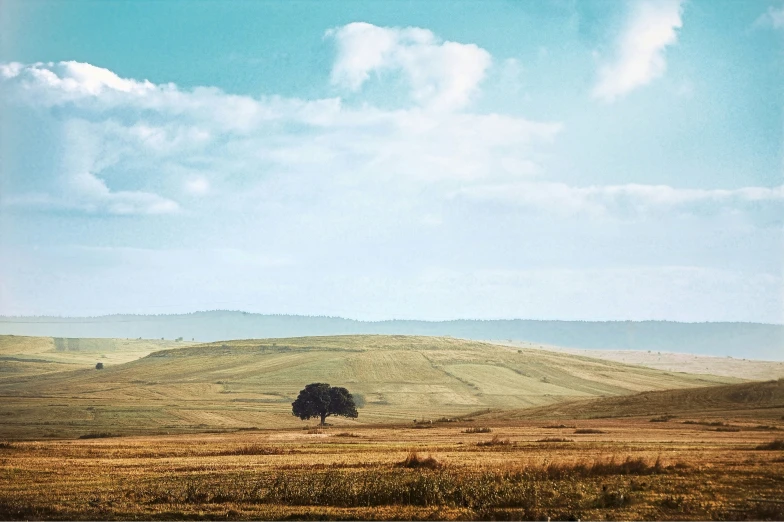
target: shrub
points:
(346, 434)
(414, 460)
(584, 431)
(554, 439)
(99, 366)
(96, 435)
(495, 441)
(663, 418)
(777, 444)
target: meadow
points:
(596, 469)
(448, 429)
(159, 387)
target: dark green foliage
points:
(321, 400)
(99, 366)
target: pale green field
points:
(251, 383)
(669, 361)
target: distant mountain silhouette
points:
(746, 340)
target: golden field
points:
(610, 469)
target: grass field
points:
(607, 469)
(251, 383)
(668, 361)
(754, 400)
(205, 432)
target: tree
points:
(322, 400)
(99, 366)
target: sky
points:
(554, 159)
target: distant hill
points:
(235, 384)
(756, 399)
(743, 340)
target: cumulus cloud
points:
(442, 75)
(639, 52)
(153, 140)
(123, 147)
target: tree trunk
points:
(323, 418)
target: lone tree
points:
(322, 400)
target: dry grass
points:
(414, 460)
(777, 444)
(483, 429)
(554, 439)
(495, 441)
(287, 474)
(98, 435)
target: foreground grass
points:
(636, 470)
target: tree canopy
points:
(321, 400)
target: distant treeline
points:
(745, 340)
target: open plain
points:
(447, 429)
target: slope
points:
(753, 400)
(253, 382)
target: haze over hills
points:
(743, 340)
(251, 383)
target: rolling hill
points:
(749, 340)
(251, 383)
(758, 400)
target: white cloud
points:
(628, 200)
(198, 186)
(773, 17)
(128, 147)
(441, 75)
(639, 54)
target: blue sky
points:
(431, 160)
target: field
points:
(607, 469)
(669, 361)
(448, 429)
(52, 390)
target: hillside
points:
(754, 399)
(741, 340)
(751, 369)
(251, 383)
(28, 356)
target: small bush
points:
(777, 444)
(495, 441)
(5, 445)
(663, 418)
(585, 431)
(727, 428)
(346, 434)
(414, 460)
(557, 426)
(554, 439)
(316, 431)
(97, 435)
(477, 430)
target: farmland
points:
(627, 468)
(251, 383)
(448, 429)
